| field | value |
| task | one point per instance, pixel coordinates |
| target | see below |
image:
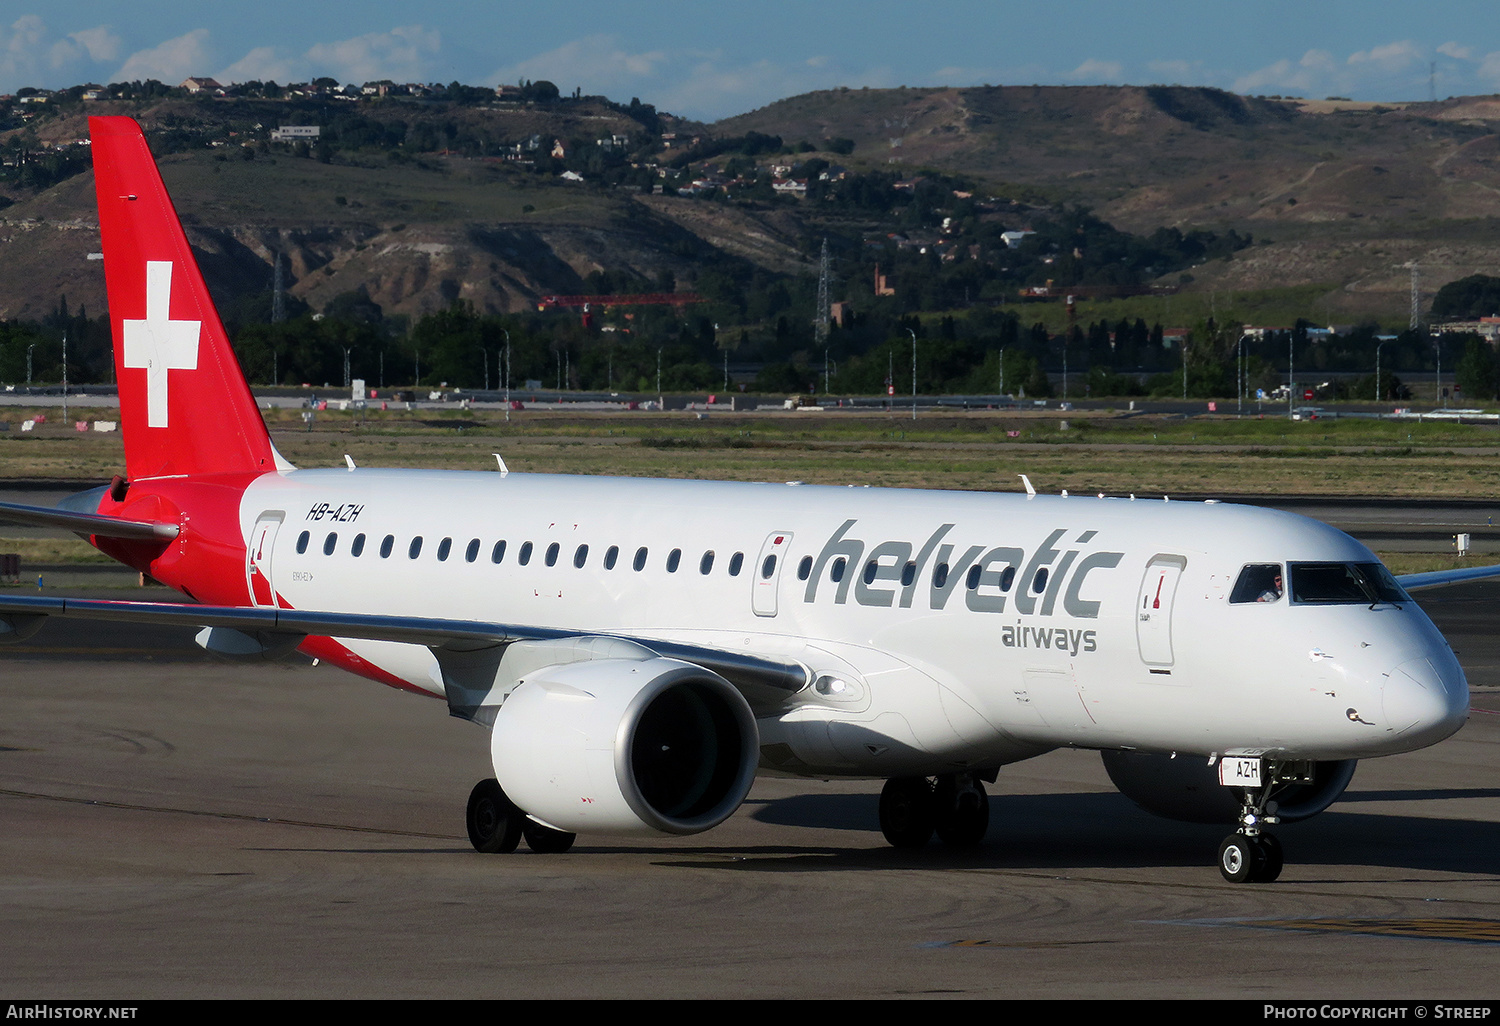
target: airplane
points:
(640, 649)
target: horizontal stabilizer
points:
(85, 523)
(1439, 578)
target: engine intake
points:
(625, 746)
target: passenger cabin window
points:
(444, 547)
(1258, 582)
(415, 548)
(581, 556)
(836, 572)
(357, 547)
(1007, 578)
(1039, 582)
(804, 568)
(706, 564)
(768, 567)
(552, 551)
(640, 559)
(736, 563)
(524, 556)
(498, 552)
(908, 573)
(673, 558)
(386, 544)
(940, 575)
(330, 543)
(302, 540)
(472, 552)
(972, 581)
(611, 557)
(1344, 584)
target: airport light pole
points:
(1378, 394)
(1239, 402)
(28, 365)
(913, 335)
(1437, 398)
(507, 373)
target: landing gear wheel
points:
(1268, 865)
(545, 840)
(906, 811)
(1237, 858)
(493, 819)
(961, 811)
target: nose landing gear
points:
(1250, 855)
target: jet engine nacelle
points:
(626, 746)
(1187, 788)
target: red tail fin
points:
(184, 405)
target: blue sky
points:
(711, 60)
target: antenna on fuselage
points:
(1030, 491)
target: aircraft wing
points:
(1440, 578)
(85, 523)
(762, 680)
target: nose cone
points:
(1425, 700)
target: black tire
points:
(1268, 865)
(960, 816)
(546, 840)
(1237, 858)
(494, 821)
(906, 811)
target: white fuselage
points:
(1113, 629)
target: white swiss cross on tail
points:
(159, 344)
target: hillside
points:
(1342, 192)
(422, 203)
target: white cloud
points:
(403, 54)
(695, 83)
(1178, 71)
(100, 42)
(1462, 53)
(1389, 58)
(408, 53)
(169, 62)
(1095, 71)
(1489, 68)
(1313, 73)
(19, 47)
(31, 56)
(265, 64)
(597, 63)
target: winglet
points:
(1030, 491)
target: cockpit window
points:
(1344, 584)
(1258, 582)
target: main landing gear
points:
(1250, 855)
(954, 806)
(496, 825)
